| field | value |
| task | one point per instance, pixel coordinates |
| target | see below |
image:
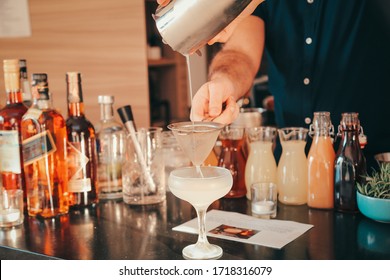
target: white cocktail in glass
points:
(200, 190)
(200, 186)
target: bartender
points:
(323, 55)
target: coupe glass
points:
(201, 189)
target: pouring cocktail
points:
(196, 139)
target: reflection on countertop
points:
(114, 230)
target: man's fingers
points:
(163, 2)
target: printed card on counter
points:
(247, 229)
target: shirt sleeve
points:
(261, 11)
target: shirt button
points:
(308, 40)
(307, 120)
(306, 81)
(310, 1)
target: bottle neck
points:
(14, 97)
(349, 129)
(322, 132)
(76, 109)
(12, 88)
(106, 112)
(25, 88)
(75, 95)
(350, 137)
(322, 125)
(41, 95)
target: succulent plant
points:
(378, 184)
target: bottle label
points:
(77, 163)
(37, 147)
(81, 185)
(32, 114)
(9, 151)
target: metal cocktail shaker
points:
(187, 25)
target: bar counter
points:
(114, 230)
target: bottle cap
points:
(125, 113)
(39, 78)
(106, 99)
(23, 64)
(73, 77)
(11, 65)
(40, 86)
(321, 124)
(11, 75)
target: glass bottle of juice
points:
(82, 154)
(44, 154)
(260, 165)
(321, 163)
(292, 171)
(350, 164)
(232, 158)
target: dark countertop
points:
(116, 231)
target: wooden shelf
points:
(161, 62)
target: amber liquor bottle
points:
(11, 158)
(44, 154)
(82, 154)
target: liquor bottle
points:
(44, 154)
(24, 83)
(111, 143)
(11, 158)
(321, 163)
(82, 158)
(350, 164)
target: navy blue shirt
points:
(330, 55)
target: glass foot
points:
(201, 251)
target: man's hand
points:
(163, 2)
(231, 74)
(208, 103)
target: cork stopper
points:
(73, 77)
(11, 65)
(73, 81)
(11, 75)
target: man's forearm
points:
(235, 66)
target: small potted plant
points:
(373, 196)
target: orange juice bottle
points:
(320, 160)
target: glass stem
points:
(201, 213)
